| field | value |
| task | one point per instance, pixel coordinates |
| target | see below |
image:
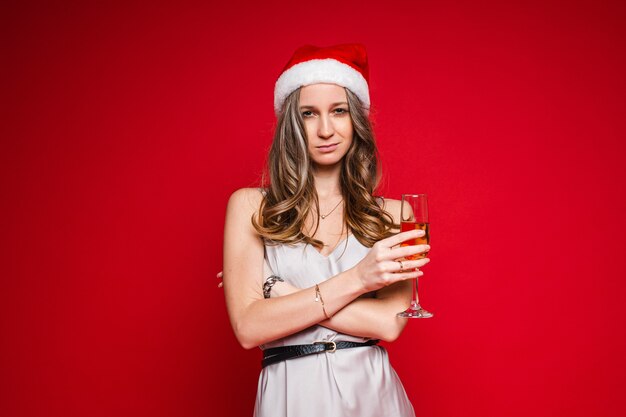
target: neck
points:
(327, 181)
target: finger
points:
(406, 251)
(220, 285)
(394, 240)
(408, 264)
(401, 265)
(403, 276)
(397, 265)
(220, 274)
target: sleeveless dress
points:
(356, 382)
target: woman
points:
(313, 272)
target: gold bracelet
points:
(318, 298)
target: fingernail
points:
(420, 232)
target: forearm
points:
(364, 317)
(369, 317)
(265, 320)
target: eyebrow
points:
(332, 105)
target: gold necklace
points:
(323, 216)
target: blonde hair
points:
(291, 193)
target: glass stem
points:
(416, 300)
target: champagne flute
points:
(414, 215)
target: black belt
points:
(281, 353)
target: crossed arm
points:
(256, 320)
(373, 318)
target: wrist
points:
(355, 284)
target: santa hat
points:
(345, 65)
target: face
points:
(327, 122)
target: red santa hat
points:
(345, 65)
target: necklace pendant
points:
(323, 216)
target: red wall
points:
(125, 128)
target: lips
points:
(328, 148)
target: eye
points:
(306, 113)
(341, 111)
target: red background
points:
(126, 127)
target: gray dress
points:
(349, 382)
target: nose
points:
(325, 129)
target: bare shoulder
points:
(392, 207)
(243, 203)
(246, 199)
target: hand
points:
(382, 267)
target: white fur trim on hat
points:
(320, 71)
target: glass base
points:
(415, 312)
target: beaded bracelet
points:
(318, 298)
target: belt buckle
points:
(333, 344)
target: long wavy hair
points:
(290, 194)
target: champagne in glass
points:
(414, 215)
(424, 240)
